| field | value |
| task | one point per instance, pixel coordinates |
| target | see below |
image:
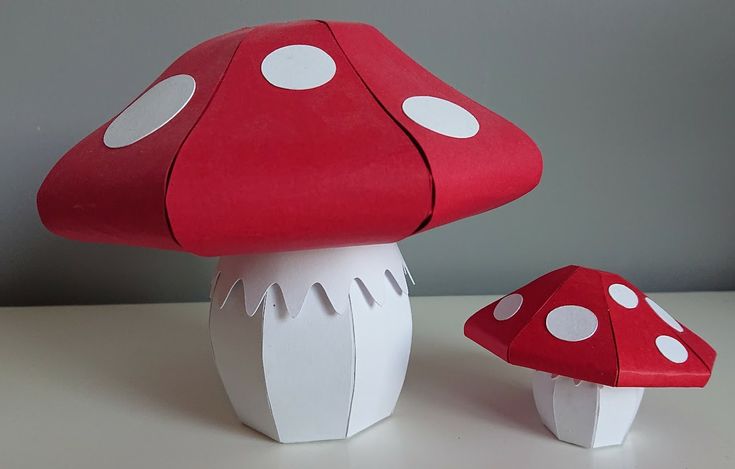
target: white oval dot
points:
(508, 307)
(672, 349)
(441, 116)
(666, 317)
(151, 111)
(623, 295)
(298, 67)
(571, 323)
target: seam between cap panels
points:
(183, 142)
(691, 349)
(425, 222)
(694, 352)
(612, 328)
(551, 295)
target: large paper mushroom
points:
(299, 153)
(596, 341)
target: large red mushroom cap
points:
(288, 136)
(594, 326)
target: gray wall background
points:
(632, 103)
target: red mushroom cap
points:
(595, 326)
(288, 136)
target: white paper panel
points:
(382, 345)
(585, 414)
(237, 344)
(296, 272)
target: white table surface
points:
(134, 386)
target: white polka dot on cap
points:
(508, 306)
(672, 349)
(571, 323)
(298, 67)
(441, 116)
(151, 111)
(666, 317)
(623, 295)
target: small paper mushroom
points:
(595, 342)
(300, 153)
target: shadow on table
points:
(158, 360)
(149, 360)
(468, 383)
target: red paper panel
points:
(271, 169)
(99, 194)
(697, 345)
(473, 175)
(495, 335)
(247, 166)
(621, 352)
(593, 359)
(641, 363)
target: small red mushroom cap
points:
(288, 136)
(595, 326)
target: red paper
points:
(621, 352)
(471, 176)
(99, 194)
(247, 166)
(270, 169)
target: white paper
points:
(326, 373)
(296, 272)
(151, 111)
(585, 414)
(618, 408)
(237, 345)
(382, 348)
(441, 116)
(309, 368)
(298, 67)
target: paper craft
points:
(118, 195)
(596, 341)
(300, 152)
(325, 352)
(288, 136)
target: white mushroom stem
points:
(583, 413)
(312, 345)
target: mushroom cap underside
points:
(594, 326)
(288, 136)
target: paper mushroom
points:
(596, 342)
(299, 153)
